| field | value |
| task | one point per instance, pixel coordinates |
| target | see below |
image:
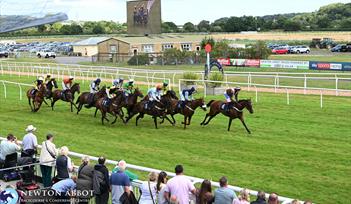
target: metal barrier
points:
(137, 183)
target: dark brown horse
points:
(49, 87)
(132, 100)
(37, 99)
(188, 110)
(114, 108)
(84, 98)
(236, 112)
(158, 110)
(68, 96)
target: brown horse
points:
(236, 112)
(132, 100)
(158, 110)
(36, 99)
(114, 108)
(188, 110)
(49, 87)
(84, 98)
(68, 96)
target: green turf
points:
(297, 150)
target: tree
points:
(204, 26)
(76, 29)
(98, 29)
(291, 25)
(65, 29)
(41, 28)
(234, 24)
(169, 27)
(206, 41)
(189, 27)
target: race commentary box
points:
(336, 66)
(144, 17)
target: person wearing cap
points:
(118, 83)
(229, 94)
(154, 94)
(187, 95)
(37, 85)
(119, 182)
(128, 87)
(8, 147)
(47, 78)
(67, 83)
(29, 142)
(94, 88)
(165, 86)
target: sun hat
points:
(30, 128)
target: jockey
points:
(37, 84)
(154, 94)
(118, 83)
(47, 78)
(165, 86)
(67, 83)
(111, 92)
(228, 94)
(128, 87)
(187, 95)
(95, 86)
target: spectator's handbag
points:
(152, 197)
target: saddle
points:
(106, 102)
(32, 92)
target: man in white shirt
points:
(29, 142)
(8, 147)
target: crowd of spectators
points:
(99, 184)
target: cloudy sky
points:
(178, 11)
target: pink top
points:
(180, 186)
(237, 201)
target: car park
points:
(300, 49)
(341, 48)
(4, 54)
(280, 50)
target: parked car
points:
(280, 50)
(341, 48)
(46, 54)
(4, 54)
(300, 49)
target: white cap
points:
(30, 128)
(71, 77)
(41, 78)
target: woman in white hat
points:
(30, 142)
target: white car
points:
(300, 49)
(46, 54)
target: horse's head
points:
(138, 93)
(172, 94)
(54, 82)
(76, 88)
(248, 105)
(201, 103)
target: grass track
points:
(299, 151)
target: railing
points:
(136, 184)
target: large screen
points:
(144, 17)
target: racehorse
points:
(236, 112)
(84, 98)
(114, 108)
(188, 110)
(68, 96)
(36, 99)
(132, 100)
(49, 86)
(158, 110)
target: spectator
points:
(85, 180)
(63, 187)
(130, 174)
(205, 193)
(307, 202)
(273, 199)
(223, 194)
(120, 183)
(8, 147)
(64, 164)
(161, 186)
(179, 186)
(101, 182)
(148, 190)
(29, 142)
(295, 202)
(261, 198)
(47, 158)
(243, 198)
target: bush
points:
(190, 76)
(139, 60)
(216, 76)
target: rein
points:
(189, 108)
(238, 109)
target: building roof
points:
(91, 41)
(163, 39)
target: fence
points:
(137, 183)
(338, 82)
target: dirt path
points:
(252, 89)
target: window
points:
(148, 48)
(113, 49)
(198, 48)
(186, 47)
(167, 46)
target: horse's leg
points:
(243, 122)
(46, 102)
(95, 112)
(53, 103)
(79, 108)
(29, 102)
(211, 117)
(185, 119)
(137, 118)
(203, 122)
(36, 110)
(189, 119)
(155, 121)
(33, 103)
(168, 120)
(174, 121)
(230, 123)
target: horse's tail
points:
(209, 103)
(78, 99)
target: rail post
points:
(275, 84)
(3, 83)
(20, 88)
(287, 97)
(256, 98)
(321, 98)
(305, 85)
(204, 89)
(336, 86)
(2, 69)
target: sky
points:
(178, 11)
